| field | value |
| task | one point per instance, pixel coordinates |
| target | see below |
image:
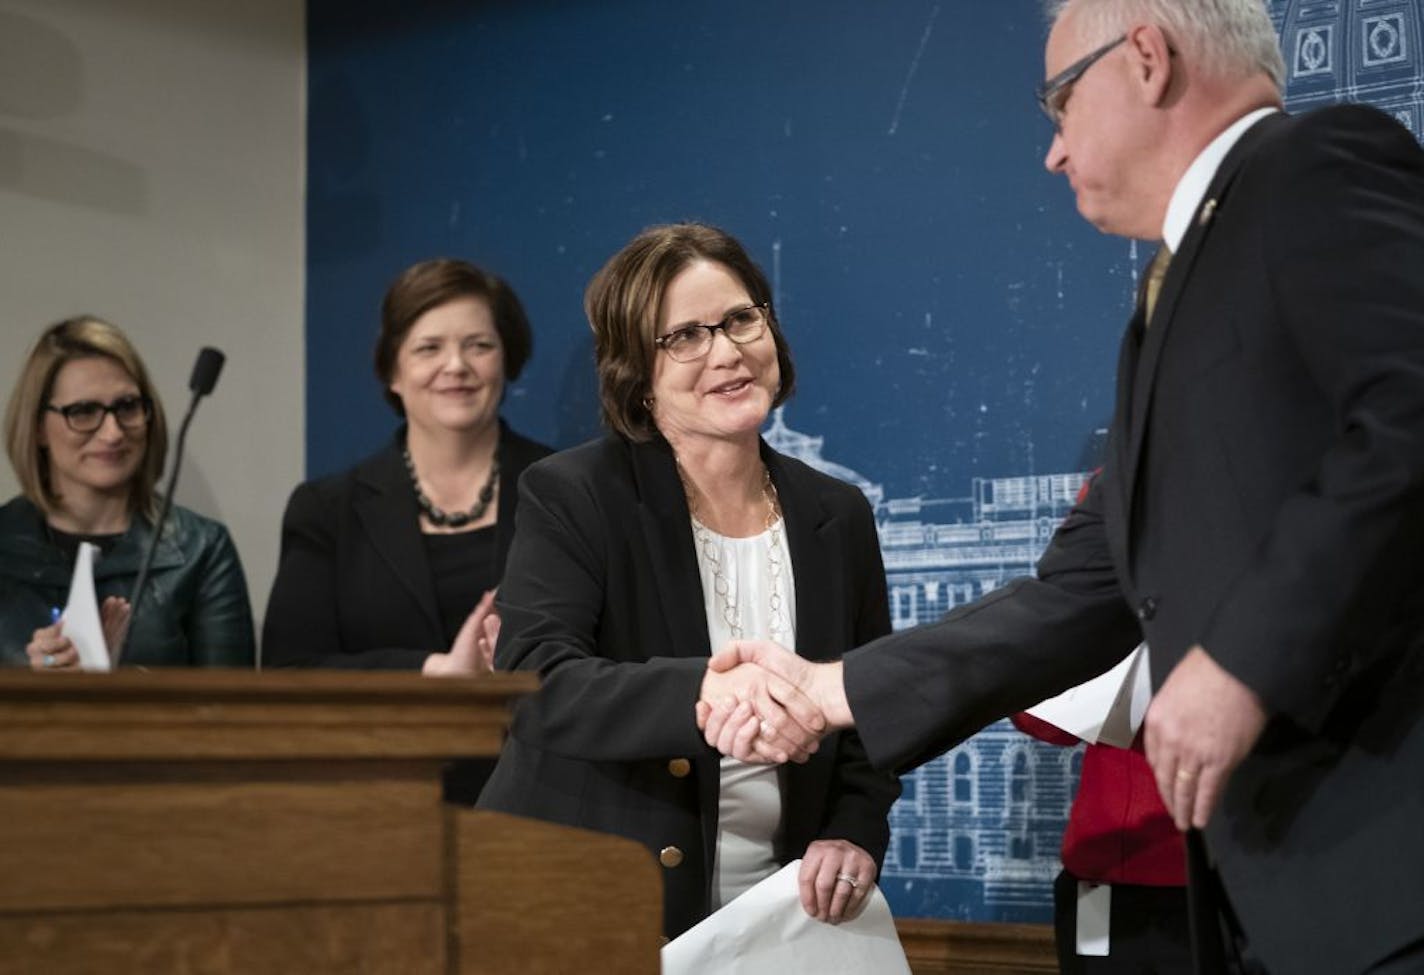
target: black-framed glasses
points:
(742, 325)
(1053, 94)
(86, 416)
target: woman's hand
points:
(114, 617)
(473, 649)
(836, 880)
(49, 649)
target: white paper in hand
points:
(1107, 709)
(767, 932)
(82, 623)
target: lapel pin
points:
(1208, 210)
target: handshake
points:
(763, 704)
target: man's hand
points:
(822, 683)
(1199, 727)
(753, 715)
(727, 724)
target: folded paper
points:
(1107, 709)
(766, 931)
(82, 623)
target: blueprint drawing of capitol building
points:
(1354, 51)
(975, 833)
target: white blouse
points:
(749, 803)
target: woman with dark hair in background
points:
(87, 438)
(678, 531)
(393, 563)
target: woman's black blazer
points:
(603, 598)
(354, 588)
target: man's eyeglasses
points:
(694, 341)
(86, 416)
(1053, 94)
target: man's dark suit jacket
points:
(1264, 498)
(354, 588)
(603, 598)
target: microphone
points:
(205, 372)
(205, 376)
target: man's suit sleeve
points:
(917, 693)
(1344, 249)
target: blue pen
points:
(54, 614)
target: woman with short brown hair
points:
(392, 564)
(637, 553)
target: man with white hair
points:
(1261, 513)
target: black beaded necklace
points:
(457, 519)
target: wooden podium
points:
(290, 822)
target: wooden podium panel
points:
(611, 904)
(376, 940)
(214, 822)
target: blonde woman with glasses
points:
(86, 436)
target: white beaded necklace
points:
(711, 553)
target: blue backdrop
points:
(949, 313)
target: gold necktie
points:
(1156, 272)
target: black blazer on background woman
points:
(603, 598)
(354, 588)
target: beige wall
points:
(152, 172)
